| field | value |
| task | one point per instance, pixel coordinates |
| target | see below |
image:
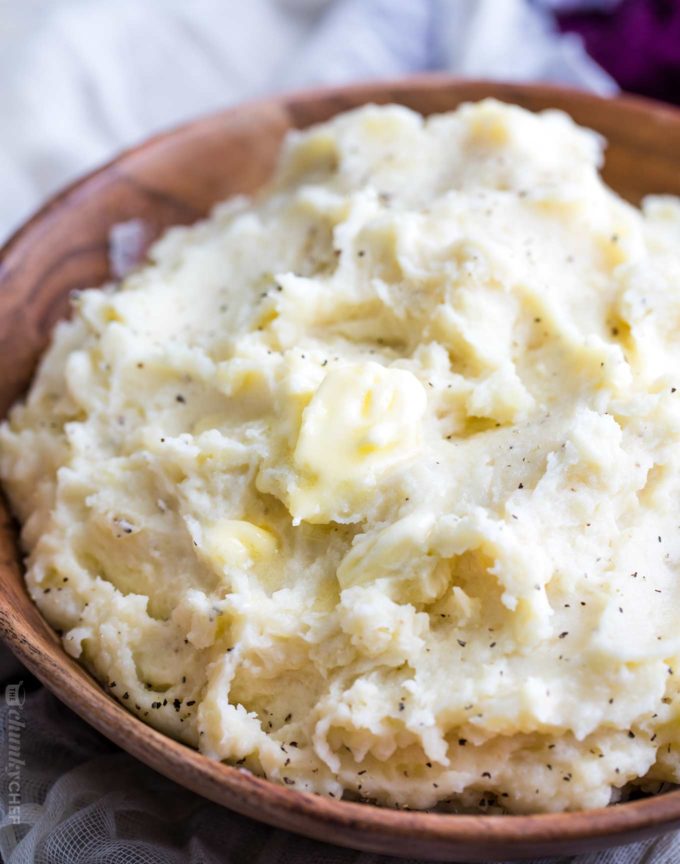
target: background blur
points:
(80, 79)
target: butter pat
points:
(236, 543)
(363, 419)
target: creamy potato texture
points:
(370, 484)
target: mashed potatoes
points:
(371, 484)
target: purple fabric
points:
(638, 44)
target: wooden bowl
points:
(175, 178)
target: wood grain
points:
(176, 178)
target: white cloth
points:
(80, 80)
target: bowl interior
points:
(176, 178)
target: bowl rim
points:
(625, 100)
(356, 824)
